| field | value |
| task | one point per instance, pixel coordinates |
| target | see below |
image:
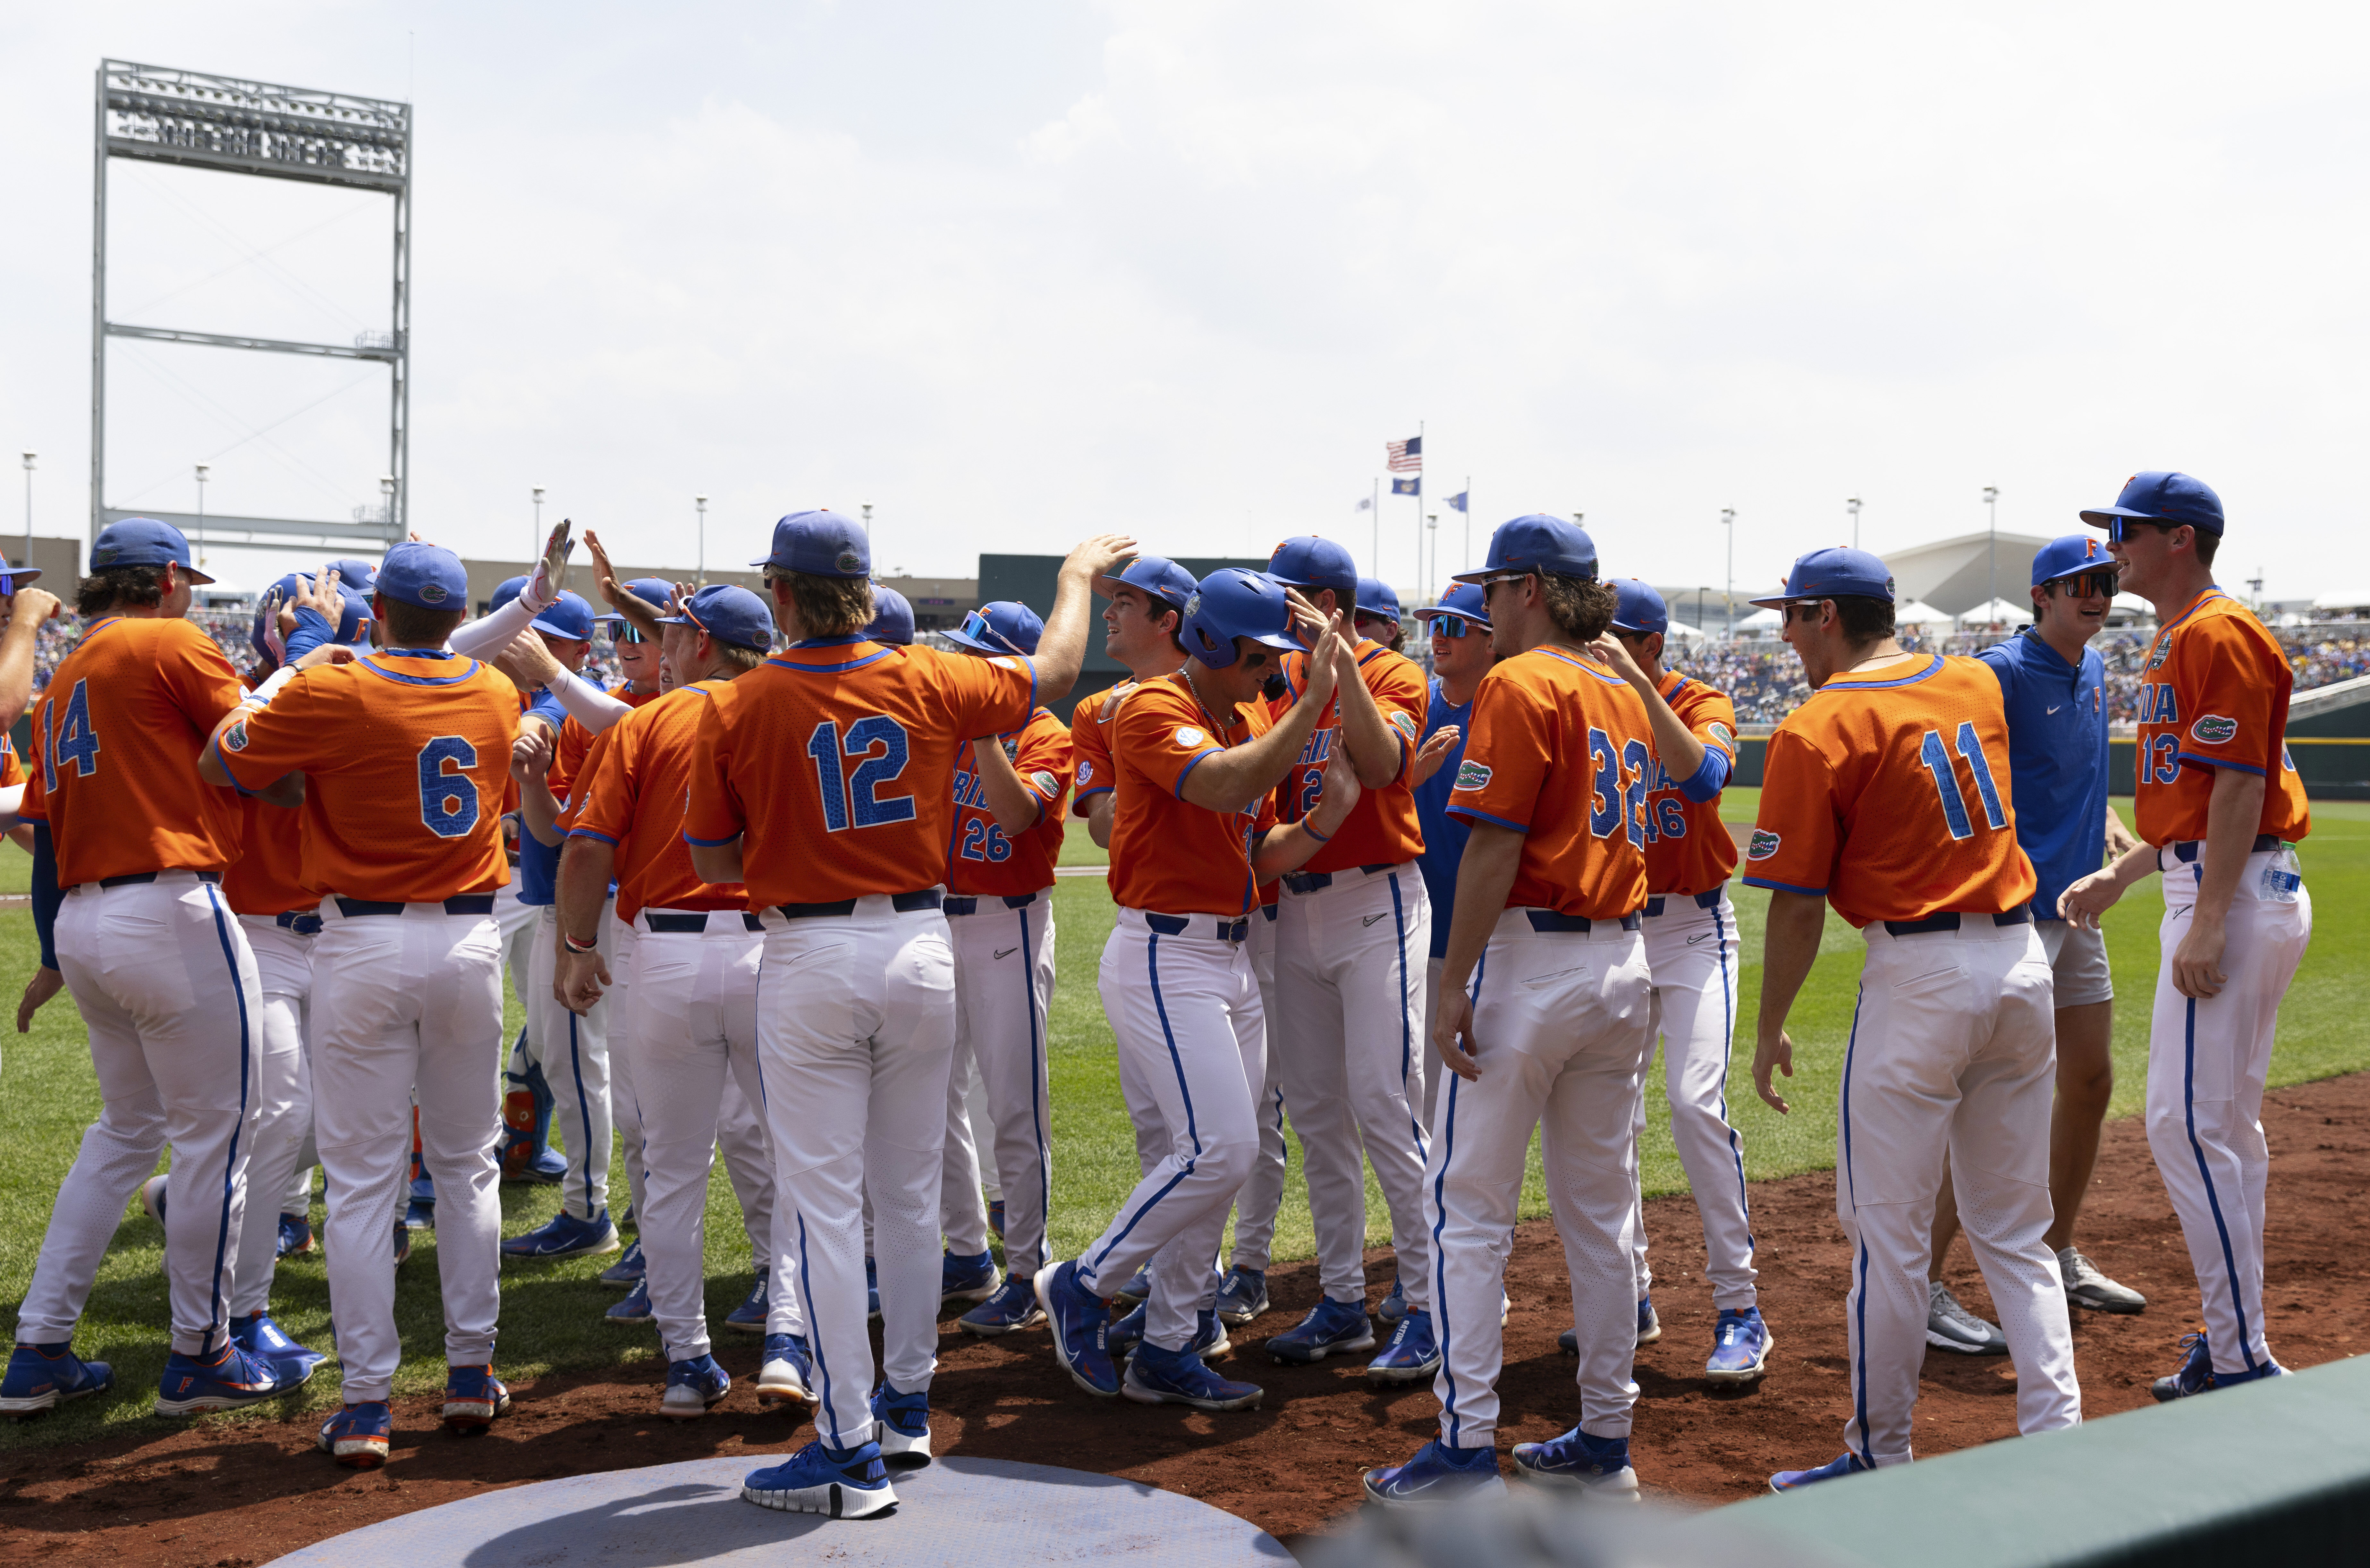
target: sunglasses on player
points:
(1450, 625)
(2120, 528)
(2086, 586)
(626, 631)
(977, 628)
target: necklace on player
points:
(1217, 731)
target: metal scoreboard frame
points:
(236, 126)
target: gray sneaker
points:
(2085, 1286)
(1950, 1326)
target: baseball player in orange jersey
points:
(1191, 830)
(823, 781)
(1555, 1024)
(1690, 932)
(2220, 810)
(1886, 793)
(695, 952)
(1353, 938)
(407, 969)
(159, 969)
(1002, 846)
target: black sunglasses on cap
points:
(2086, 584)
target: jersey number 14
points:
(1946, 780)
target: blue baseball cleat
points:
(1438, 1474)
(563, 1236)
(259, 1336)
(1333, 1326)
(1014, 1306)
(1413, 1354)
(1177, 1376)
(295, 1236)
(1080, 1320)
(967, 1279)
(749, 1317)
(1242, 1297)
(1136, 1291)
(627, 1271)
(1794, 1480)
(357, 1436)
(1597, 1467)
(1209, 1336)
(902, 1427)
(1740, 1347)
(2194, 1375)
(420, 1208)
(787, 1376)
(473, 1398)
(42, 1376)
(1394, 1306)
(844, 1483)
(635, 1309)
(228, 1380)
(1650, 1326)
(692, 1387)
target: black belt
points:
(968, 903)
(466, 904)
(137, 878)
(903, 902)
(304, 923)
(1178, 924)
(2185, 850)
(1310, 882)
(1268, 910)
(1701, 900)
(1549, 921)
(694, 924)
(1950, 919)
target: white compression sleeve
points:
(586, 703)
(488, 635)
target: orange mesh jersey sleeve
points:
(632, 797)
(1688, 849)
(267, 877)
(12, 769)
(1167, 855)
(981, 858)
(1561, 753)
(125, 719)
(834, 762)
(1381, 829)
(1889, 794)
(404, 757)
(2214, 695)
(1090, 753)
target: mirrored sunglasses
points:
(625, 631)
(2120, 528)
(977, 628)
(1451, 625)
(2086, 584)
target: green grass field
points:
(551, 1317)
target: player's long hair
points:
(113, 585)
(827, 606)
(1581, 609)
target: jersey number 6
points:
(448, 800)
(855, 798)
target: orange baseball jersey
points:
(1089, 751)
(1562, 751)
(633, 798)
(12, 770)
(267, 877)
(575, 742)
(2215, 695)
(1688, 849)
(1888, 793)
(121, 726)
(1167, 855)
(834, 759)
(980, 858)
(404, 757)
(1381, 829)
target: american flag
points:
(1405, 456)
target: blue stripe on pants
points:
(2212, 1200)
(230, 1161)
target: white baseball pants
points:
(407, 1005)
(517, 920)
(1004, 985)
(625, 1111)
(1262, 1194)
(1435, 1069)
(856, 1028)
(1560, 1021)
(2207, 1060)
(749, 1167)
(1349, 993)
(283, 967)
(695, 996)
(1691, 948)
(962, 1207)
(1185, 1005)
(574, 1051)
(1953, 1054)
(167, 987)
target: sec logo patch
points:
(1086, 772)
(1763, 845)
(1471, 775)
(1189, 736)
(2212, 729)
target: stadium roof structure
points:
(1958, 574)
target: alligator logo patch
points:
(2212, 729)
(1763, 845)
(1472, 775)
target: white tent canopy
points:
(1996, 610)
(1917, 612)
(1761, 620)
(1680, 629)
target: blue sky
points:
(1015, 274)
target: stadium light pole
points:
(535, 549)
(204, 470)
(700, 501)
(1991, 562)
(1728, 521)
(1432, 521)
(387, 498)
(1852, 506)
(880, 567)
(28, 509)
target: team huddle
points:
(786, 892)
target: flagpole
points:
(1419, 508)
(1467, 510)
(1376, 508)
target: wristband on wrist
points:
(575, 946)
(1310, 828)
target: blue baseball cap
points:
(15, 577)
(355, 573)
(1464, 599)
(567, 615)
(1156, 576)
(2071, 553)
(728, 614)
(1005, 626)
(1307, 562)
(2163, 497)
(354, 623)
(655, 592)
(509, 588)
(426, 575)
(1836, 573)
(143, 541)
(1638, 607)
(820, 544)
(1536, 542)
(892, 617)
(1378, 599)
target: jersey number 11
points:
(1946, 779)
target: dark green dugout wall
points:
(1031, 578)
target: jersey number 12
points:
(854, 797)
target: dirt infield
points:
(233, 1494)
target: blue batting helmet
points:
(1232, 603)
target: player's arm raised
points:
(1016, 808)
(1230, 778)
(1679, 749)
(1288, 848)
(1062, 648)
(637, 611)
(1378, 751)
(27, 609)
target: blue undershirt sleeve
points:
(46, 896)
